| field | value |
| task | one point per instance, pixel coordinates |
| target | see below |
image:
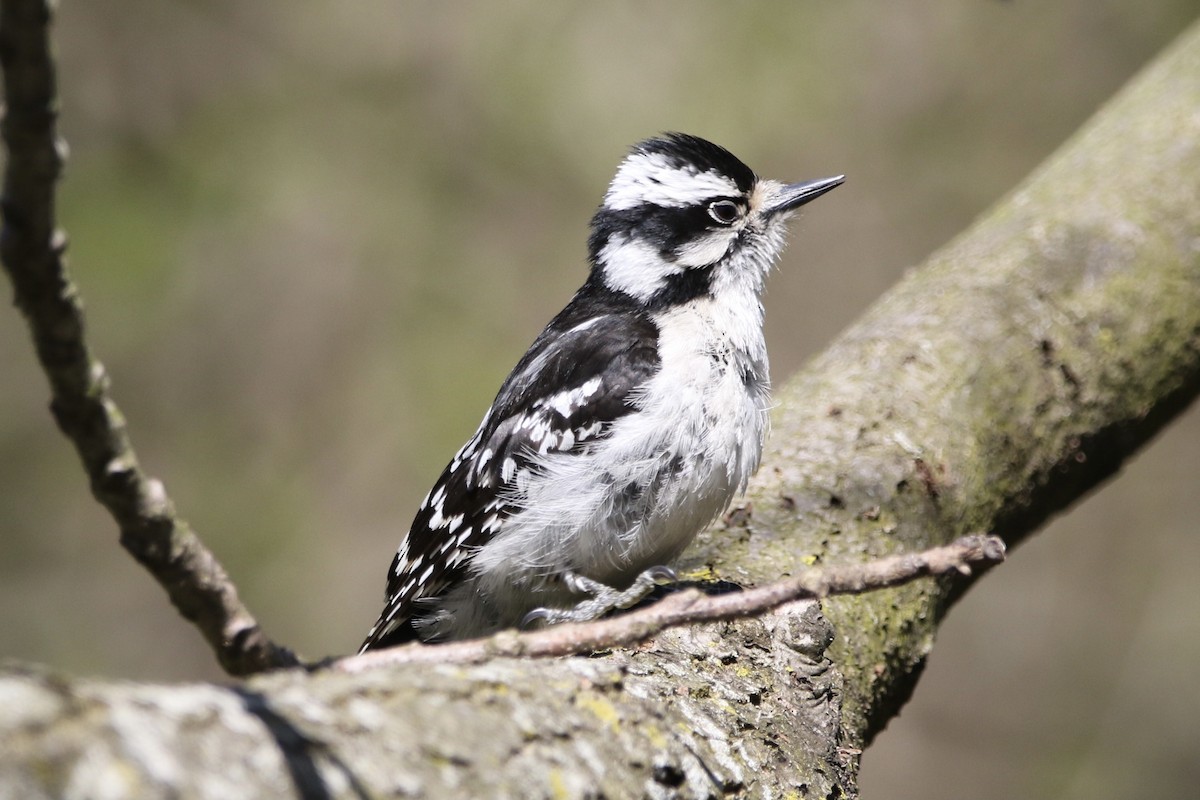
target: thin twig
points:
(32, 251)
(691, 606)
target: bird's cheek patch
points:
(705, 250)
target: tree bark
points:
(1010, 374)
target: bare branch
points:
(32, 250)
(692, 605)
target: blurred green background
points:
(314, 237)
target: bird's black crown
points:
(686, 151)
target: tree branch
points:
(1014, 371)
(32, 249)
(694, 606)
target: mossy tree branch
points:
(1017, 369)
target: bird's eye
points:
(725, 212)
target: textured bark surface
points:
(703, 711)
(1007, 376)
(997, 383)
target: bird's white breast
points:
(666, 470)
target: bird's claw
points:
(602, 598)
(661, 575)
(543, 615)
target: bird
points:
(631, 422)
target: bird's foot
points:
(602, 598)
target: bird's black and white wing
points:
(577, 378)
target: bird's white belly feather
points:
(641, 494)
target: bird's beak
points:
(794, 195)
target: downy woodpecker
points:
(629, 424)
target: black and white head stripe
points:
(677, 170)
(677, 204)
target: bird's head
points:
(684, 217)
